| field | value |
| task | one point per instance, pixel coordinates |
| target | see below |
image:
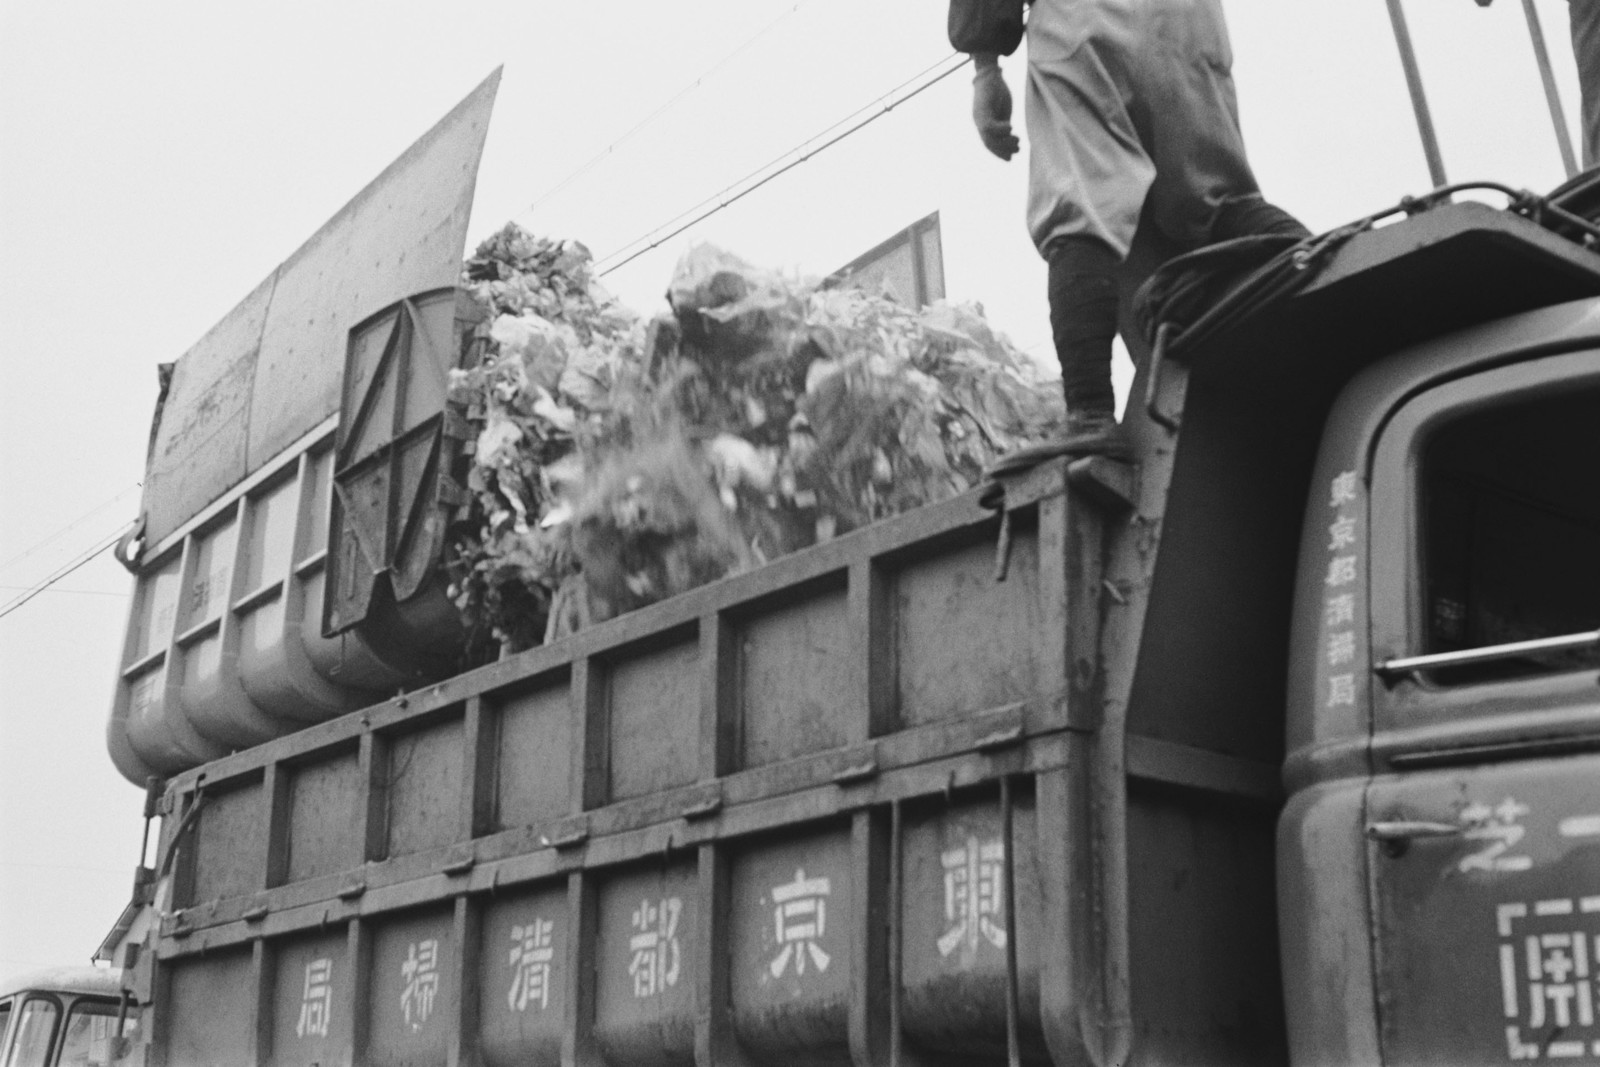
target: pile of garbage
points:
(621, 461)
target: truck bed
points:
(849, 807)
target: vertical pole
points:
(1563, 137)
(1419, 99)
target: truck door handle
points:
(1410, 829)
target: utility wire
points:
(70, 592)
(663, 109)
(764, 174)
(73, 525)
(65, 570)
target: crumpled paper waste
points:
(620, 461)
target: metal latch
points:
(704, 809)
(1004, 738)
(570, 839)
(856, 773)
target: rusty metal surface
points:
(271, 369)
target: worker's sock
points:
(1247, 216)
(1083, 321)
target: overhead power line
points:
(69, 592)
(73, 525)
(65, 570)
(782, 164)
(604, 153)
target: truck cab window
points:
(1511, 534)
(36, 1027)
(91, 1028)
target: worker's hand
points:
(991, 110)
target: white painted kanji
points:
(316, 1003)
(800, 919)
(1341, 533)
(1341, 571)
(1501, 829)
(420, 975)
(1549, 951)
(974, 897)
(657, 958)
(1341, 648)
(1342, 690)
(1343, 489)
(1340, 610)
(532, 954)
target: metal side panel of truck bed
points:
(840, 808)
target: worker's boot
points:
(1083, 322)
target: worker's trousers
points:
(1131, 111)
(1586, 49)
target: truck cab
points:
(64, 1017)
(1444, 713)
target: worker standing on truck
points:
(1131, 115)
(1585, 15)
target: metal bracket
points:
(703, 809)
(570, 839)
(857, 773)
(1000, 739)
(1158, 356)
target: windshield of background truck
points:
(91, 1028)
(36, 1027)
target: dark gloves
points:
(991, 109)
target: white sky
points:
(157, 160)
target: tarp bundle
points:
(620, 462)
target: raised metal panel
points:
(311, 1022)
(398, 473)
(947, 664)
(654, 703)
(792, 945)
(211, 1011)
(270, 371)
(424, 788)
(644, 985)
(230, 844)
(412, 988)
(199, 443)
(534, 757)
(793, 695)
(523, 982)
(324, 799)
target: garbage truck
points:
(1279, 743)
(74, 1016)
